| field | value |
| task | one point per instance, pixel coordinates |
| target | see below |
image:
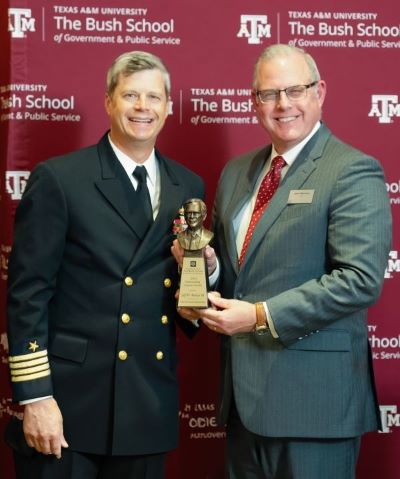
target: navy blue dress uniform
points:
(91, 304)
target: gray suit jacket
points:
(318, 266)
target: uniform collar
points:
(129, 164)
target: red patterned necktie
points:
(268, 186)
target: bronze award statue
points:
(194, 277)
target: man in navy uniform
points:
(91, 307)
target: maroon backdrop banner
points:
(52, 82)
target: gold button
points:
(122, 355)
(128, 281)
(164, 319)
(125, 318)
(167, 282)
(159, 355)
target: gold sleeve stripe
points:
(21, 372)
(27, 364)
(30, 377)
(26, 357)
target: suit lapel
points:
(117, 189)
(243, 189)
(119, 192)
(171, 198)
(294, 179)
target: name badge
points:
(300, 196)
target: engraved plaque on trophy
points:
(194, 275)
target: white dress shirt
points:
(152, 178)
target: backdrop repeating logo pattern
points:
(393, 189)
(15, 183)
(393, 266)
(385, 107)
(20, 21)
(51, 102)
(254, 28)
(390, 418)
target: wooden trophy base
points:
(194, 281)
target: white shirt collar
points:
(129, 164)
(293, 153)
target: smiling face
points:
(137, 109)
(194, 215)
(288, 122)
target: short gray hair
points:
(132, 62)
(283, 50)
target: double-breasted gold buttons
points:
(128, 281)
(125, 318)
(167, 283)
(122, 355)
(164, 319)
(159, 355)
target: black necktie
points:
(143, 196)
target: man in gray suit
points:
(297, 380)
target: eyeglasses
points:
(294, 93)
